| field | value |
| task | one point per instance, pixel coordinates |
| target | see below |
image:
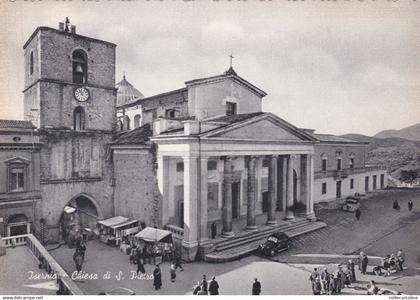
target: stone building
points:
(20, 194)
(202, 154)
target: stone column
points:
(251, 193)
(227, 198)
(284, 184)
(289, 201)
(203, 199)
(310, 214)
(190, 202)
(163, 185)
(272, 191)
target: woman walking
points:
(157, 278)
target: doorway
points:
(265, 202)
(366, 184)
(236, 190)
(181, 213)
(338, 189)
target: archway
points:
(18, 224)
(81, 213)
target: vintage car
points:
(351, 204)
(275, 243)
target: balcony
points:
(66, 285)
(344, 173)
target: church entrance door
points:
(236, 189)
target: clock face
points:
(81, 94)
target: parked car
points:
(351, 203)
(277, 242)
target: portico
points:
(224, 175)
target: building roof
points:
(140, 135)
(139, 101)
(329, 138)
(229, 74)
(234, 118)
(127, 93)
(16, 124)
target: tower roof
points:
(127, 93)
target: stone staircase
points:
(245, 244)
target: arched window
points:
(31, 63)
(351, 162)
(79, 58)
(120, 125)
(324, 161)
(79, 118)
(126, 123)
(137, 119)
(170, 113)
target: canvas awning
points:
(130, 230)
(126, 223)
(150, 234)
(111, 222)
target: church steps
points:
(249, 246)
(258, 234)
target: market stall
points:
(156, 243)
(112, 231)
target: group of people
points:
(391, 262)
(396, 205)
(326, 283)
(203, 287)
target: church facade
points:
(182, 160)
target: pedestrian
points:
(78, 260)
(172, 272)
(357, 214)
(139, 261)
(350, 266)
(365, 261)
(213, 287)
(372, 289)
(204, 285)
(401, 259)
(157, 278)
(82, 248)
(324, 278)
(256, 287)
(332, 285)
(213, 229)
(396, 206)
(316, 287)
(197, 288)
(133, 255)
(410, 205)
(342, 277)
(177, 260)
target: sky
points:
(335, 66)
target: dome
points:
(127, 93)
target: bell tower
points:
(70, 96)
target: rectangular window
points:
(230, 108)
(374, 182)
(212, 196)
(338, 164)
(324, 165)
(212, 165)
(351, 183)
(180, 167)
(17, 178)
(324, 188)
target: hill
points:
(398, 154)
(409, 133)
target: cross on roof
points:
(231, 59)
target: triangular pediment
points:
(16, 160)
(264, 127)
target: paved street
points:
(381, 230)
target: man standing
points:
(350, 266)
(139, 260)
(204, 285)
(177, 260)
(401, 259)
(410, 205)
(365, 261)
(256, 287)
(213, 287)
(358, 213)
(78, 260)
(157, 278)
